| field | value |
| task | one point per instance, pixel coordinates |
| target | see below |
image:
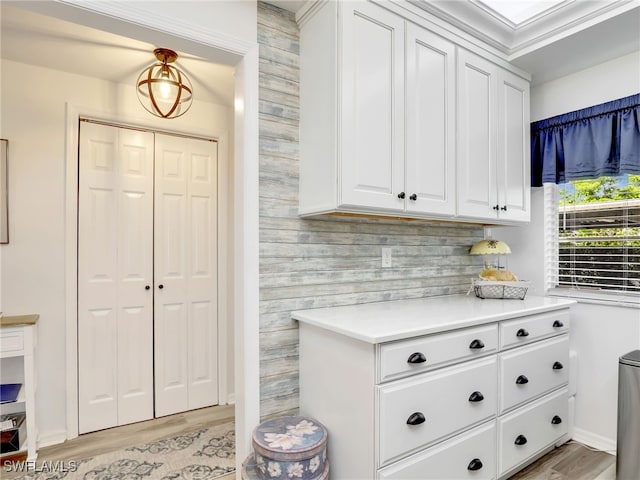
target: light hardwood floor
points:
(571, 461)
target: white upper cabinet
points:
(430, 113)
(385, 128)
(493, 141)
(372, 107)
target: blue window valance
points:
(588, 143)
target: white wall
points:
(33, 118)
(599, 333)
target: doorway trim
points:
(243, 167)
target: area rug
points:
(199, 455)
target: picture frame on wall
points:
(4, 194)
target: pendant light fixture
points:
(163, 89)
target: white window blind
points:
(596, 245)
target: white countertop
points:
(401, 319)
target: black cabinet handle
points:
(556, 420)
(558, 324)
(504, 208)
(476, 397)
(416, 419)
(521, 440)
(417, 358)
(476, 344)
(161, 286)
(147, 287)
(522, 333)
(413, 197)
(496, 207)
(521, 380)
(474, 464)
(401, 195)
(557, 366)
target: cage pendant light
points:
(163, 89)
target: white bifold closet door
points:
(186, 369)
(147, 271)
(115, 265)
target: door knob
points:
(161, 286)
(413, 197)
(147, 287)
(401, 195)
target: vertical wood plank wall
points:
(333, 261)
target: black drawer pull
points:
(476, 397)
(557, 366)
(556, 420)
(476, 344)
(417, 358)
(522, 333)
(558, 324)
(416, 419)
(475, 464)
(521, 380)
(521, 440)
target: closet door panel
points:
(115, 264)
(186, 267)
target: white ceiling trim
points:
(567, 18)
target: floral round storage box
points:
(290, 448)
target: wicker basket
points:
(507, 290)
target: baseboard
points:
(53, 438)
(594, 440)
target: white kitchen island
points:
(441, 387)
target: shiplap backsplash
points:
(330, 261)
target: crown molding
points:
(481, 22)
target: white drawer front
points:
(401, 359)
(534, 327)
(526, 431)
(470, 455)
(417, 411)
(11, 342)
(531, 371)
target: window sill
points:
(611, 299)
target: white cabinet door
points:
(115, 265)
(513, 164)
(430, 109)
(185, 274)
(371, 158)
(493, 141)
(477, 129)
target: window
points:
(597, 235)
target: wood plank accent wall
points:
(335, 260)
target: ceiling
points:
(45, 41)
(548, 38)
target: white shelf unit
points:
(17, 351)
